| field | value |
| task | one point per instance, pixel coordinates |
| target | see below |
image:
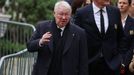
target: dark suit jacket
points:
(69, 1)
(75, 57)
(129, 33)
(110, 44)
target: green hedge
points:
(8, 47)
(33, 10)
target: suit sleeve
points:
(77, 18)
(132, 45)
(33, 43)
(83, 55)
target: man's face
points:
(62, 16)
(123, 5)
(132, 8)
(102, 3)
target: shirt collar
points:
(62, 28)
(124, 21)
(97, 9)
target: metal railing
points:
(13, 36)
(20, 63)
(16, 61)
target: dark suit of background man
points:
(69, 1)
(104, 42)
(61, 45)
(128, 26)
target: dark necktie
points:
(102, 29)
(59, 30)
(56, 63)
(102, 23)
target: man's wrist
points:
(40, 43)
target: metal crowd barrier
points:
(13, 36)
(20, 63)
(14, 58)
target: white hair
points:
(64, 4)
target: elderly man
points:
(61, 45)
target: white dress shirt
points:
(96, 11)
(61, 29)
(124, 21)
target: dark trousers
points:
(99, 67)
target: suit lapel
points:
(92, 18)
(52, 28)
(126, 25)
(70, 36)
(128, 30)
(109, 12)
(69, 39)
(50, 44)
(89, 19)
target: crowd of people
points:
(85, 38)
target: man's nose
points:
(63, 17)
(121, 4)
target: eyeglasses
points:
(63, 14)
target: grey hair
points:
(62, 4)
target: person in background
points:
(131, 10)
(88, 2)
(85, 2)
(61, 45)
(77, 4)
(128, 26)
(105, 36)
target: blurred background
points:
(29, 11)
(13, 36)
(17, 22)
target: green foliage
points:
(35, 10)
(8, 47)
(114, 2)
(14, 39)
(2, 2)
